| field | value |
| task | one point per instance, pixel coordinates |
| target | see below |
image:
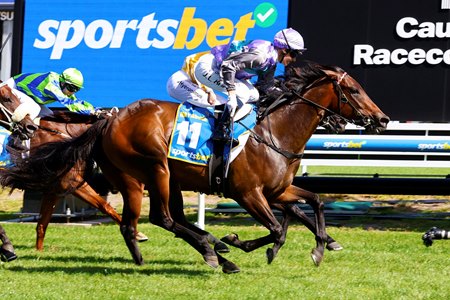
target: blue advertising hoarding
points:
(128, 50)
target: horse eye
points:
(353, 91)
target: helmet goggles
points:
(71, 87)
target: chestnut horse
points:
(65, 125)
(136, 140)
(25, 129)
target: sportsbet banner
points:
(128, 49)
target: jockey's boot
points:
(221, 131)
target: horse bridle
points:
(342, 99)
(8, 114)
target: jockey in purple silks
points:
(228, 68)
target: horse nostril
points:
(384, 120)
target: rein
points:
(8, 114)
(54, 131)
(342, 99)
(259, 139)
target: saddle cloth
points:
(191, 136)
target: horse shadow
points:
(154, 267)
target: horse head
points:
(8, 104)
(343, 96)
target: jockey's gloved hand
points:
(101, 113)
(232, 104)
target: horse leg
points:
(89, 195)
(294, 193)
(272, 252)
(257, 206)
(160, 215)
(177, 212)
(86, 193)
(295, 211)
(132, 193)
(7, 250)
(47, 208)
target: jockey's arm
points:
(72, 103)
(251, 60)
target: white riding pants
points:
(207, 75)
(181, 87)
(28, 106)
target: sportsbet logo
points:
(148, 32)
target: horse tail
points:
(48, 164)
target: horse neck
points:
(291, 126)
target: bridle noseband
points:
(342, 100)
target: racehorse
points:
(25, 129)
(136, 140)
(63, 125)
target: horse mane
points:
(302, 77)
(295, 79)
(47, 167)
(60, 116)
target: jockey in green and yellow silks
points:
(35, 90)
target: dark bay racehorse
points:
(25, 129)
(136, 141)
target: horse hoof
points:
(140, 237)
(230, 239)
(270, 255)
(334, 246)
(221, 248)
(139, 261)
(6, 255)
(316, 257)
(212, 261)
(229, 268)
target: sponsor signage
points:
(127, 50)
(398, 50)
(389, 144)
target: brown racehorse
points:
(136, 142)
(25, 129)
(64, 125)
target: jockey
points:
(37, 89)
(228, 68)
